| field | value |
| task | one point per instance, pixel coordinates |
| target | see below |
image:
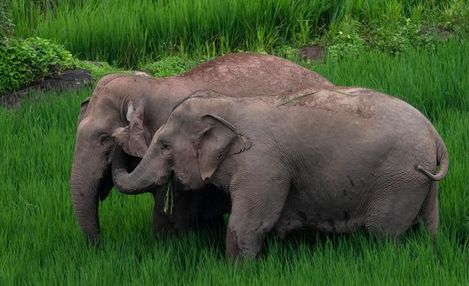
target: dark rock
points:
(67, 80)
(313, 54)
(440, 32)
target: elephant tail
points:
(442, 161)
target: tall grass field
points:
(41, 244)
(127, 32)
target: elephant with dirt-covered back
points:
(135, 107)
(333, 160)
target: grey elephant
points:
(135, 107)
(333, 160)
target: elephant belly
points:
(293, 220)
(329, 211)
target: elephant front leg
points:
(213, 205)
(255, 210)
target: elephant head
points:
(190, 146)
(110, 108)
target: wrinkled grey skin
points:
(135, 107)
(333, 160)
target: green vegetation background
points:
(40, 243)
(131, 32)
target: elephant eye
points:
(105, 139)
(165, 146)
(165, 149)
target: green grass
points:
(129, 32)
(426, 79)
(42, 245)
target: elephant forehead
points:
(185, 111)
(172, 125)
(100, 122)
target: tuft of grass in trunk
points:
(169, 197)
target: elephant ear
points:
(83, 108)
(132, 137)
(217, 142)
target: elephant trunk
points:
(142, 179)
(87, 186)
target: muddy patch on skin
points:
(65, 81)
(352, 100)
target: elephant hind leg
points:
(429, 211)
(395, 209)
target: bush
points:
(455, 17)
(400, 37)
(24, 62)
(345, 40)
(345, 45)
(169, 66)
(351, 38)
(99, 69)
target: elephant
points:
(330, 159)
(137, 106)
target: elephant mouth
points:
(169, 195)
(182, 178)
(167, 179)
(105, 184)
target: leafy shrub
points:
(99, 69)
(345, 45)
(345, 40)
(350, 38)
(400, 37)
(23, 62)
(169, 66)
(455, 17)
(288, 52)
